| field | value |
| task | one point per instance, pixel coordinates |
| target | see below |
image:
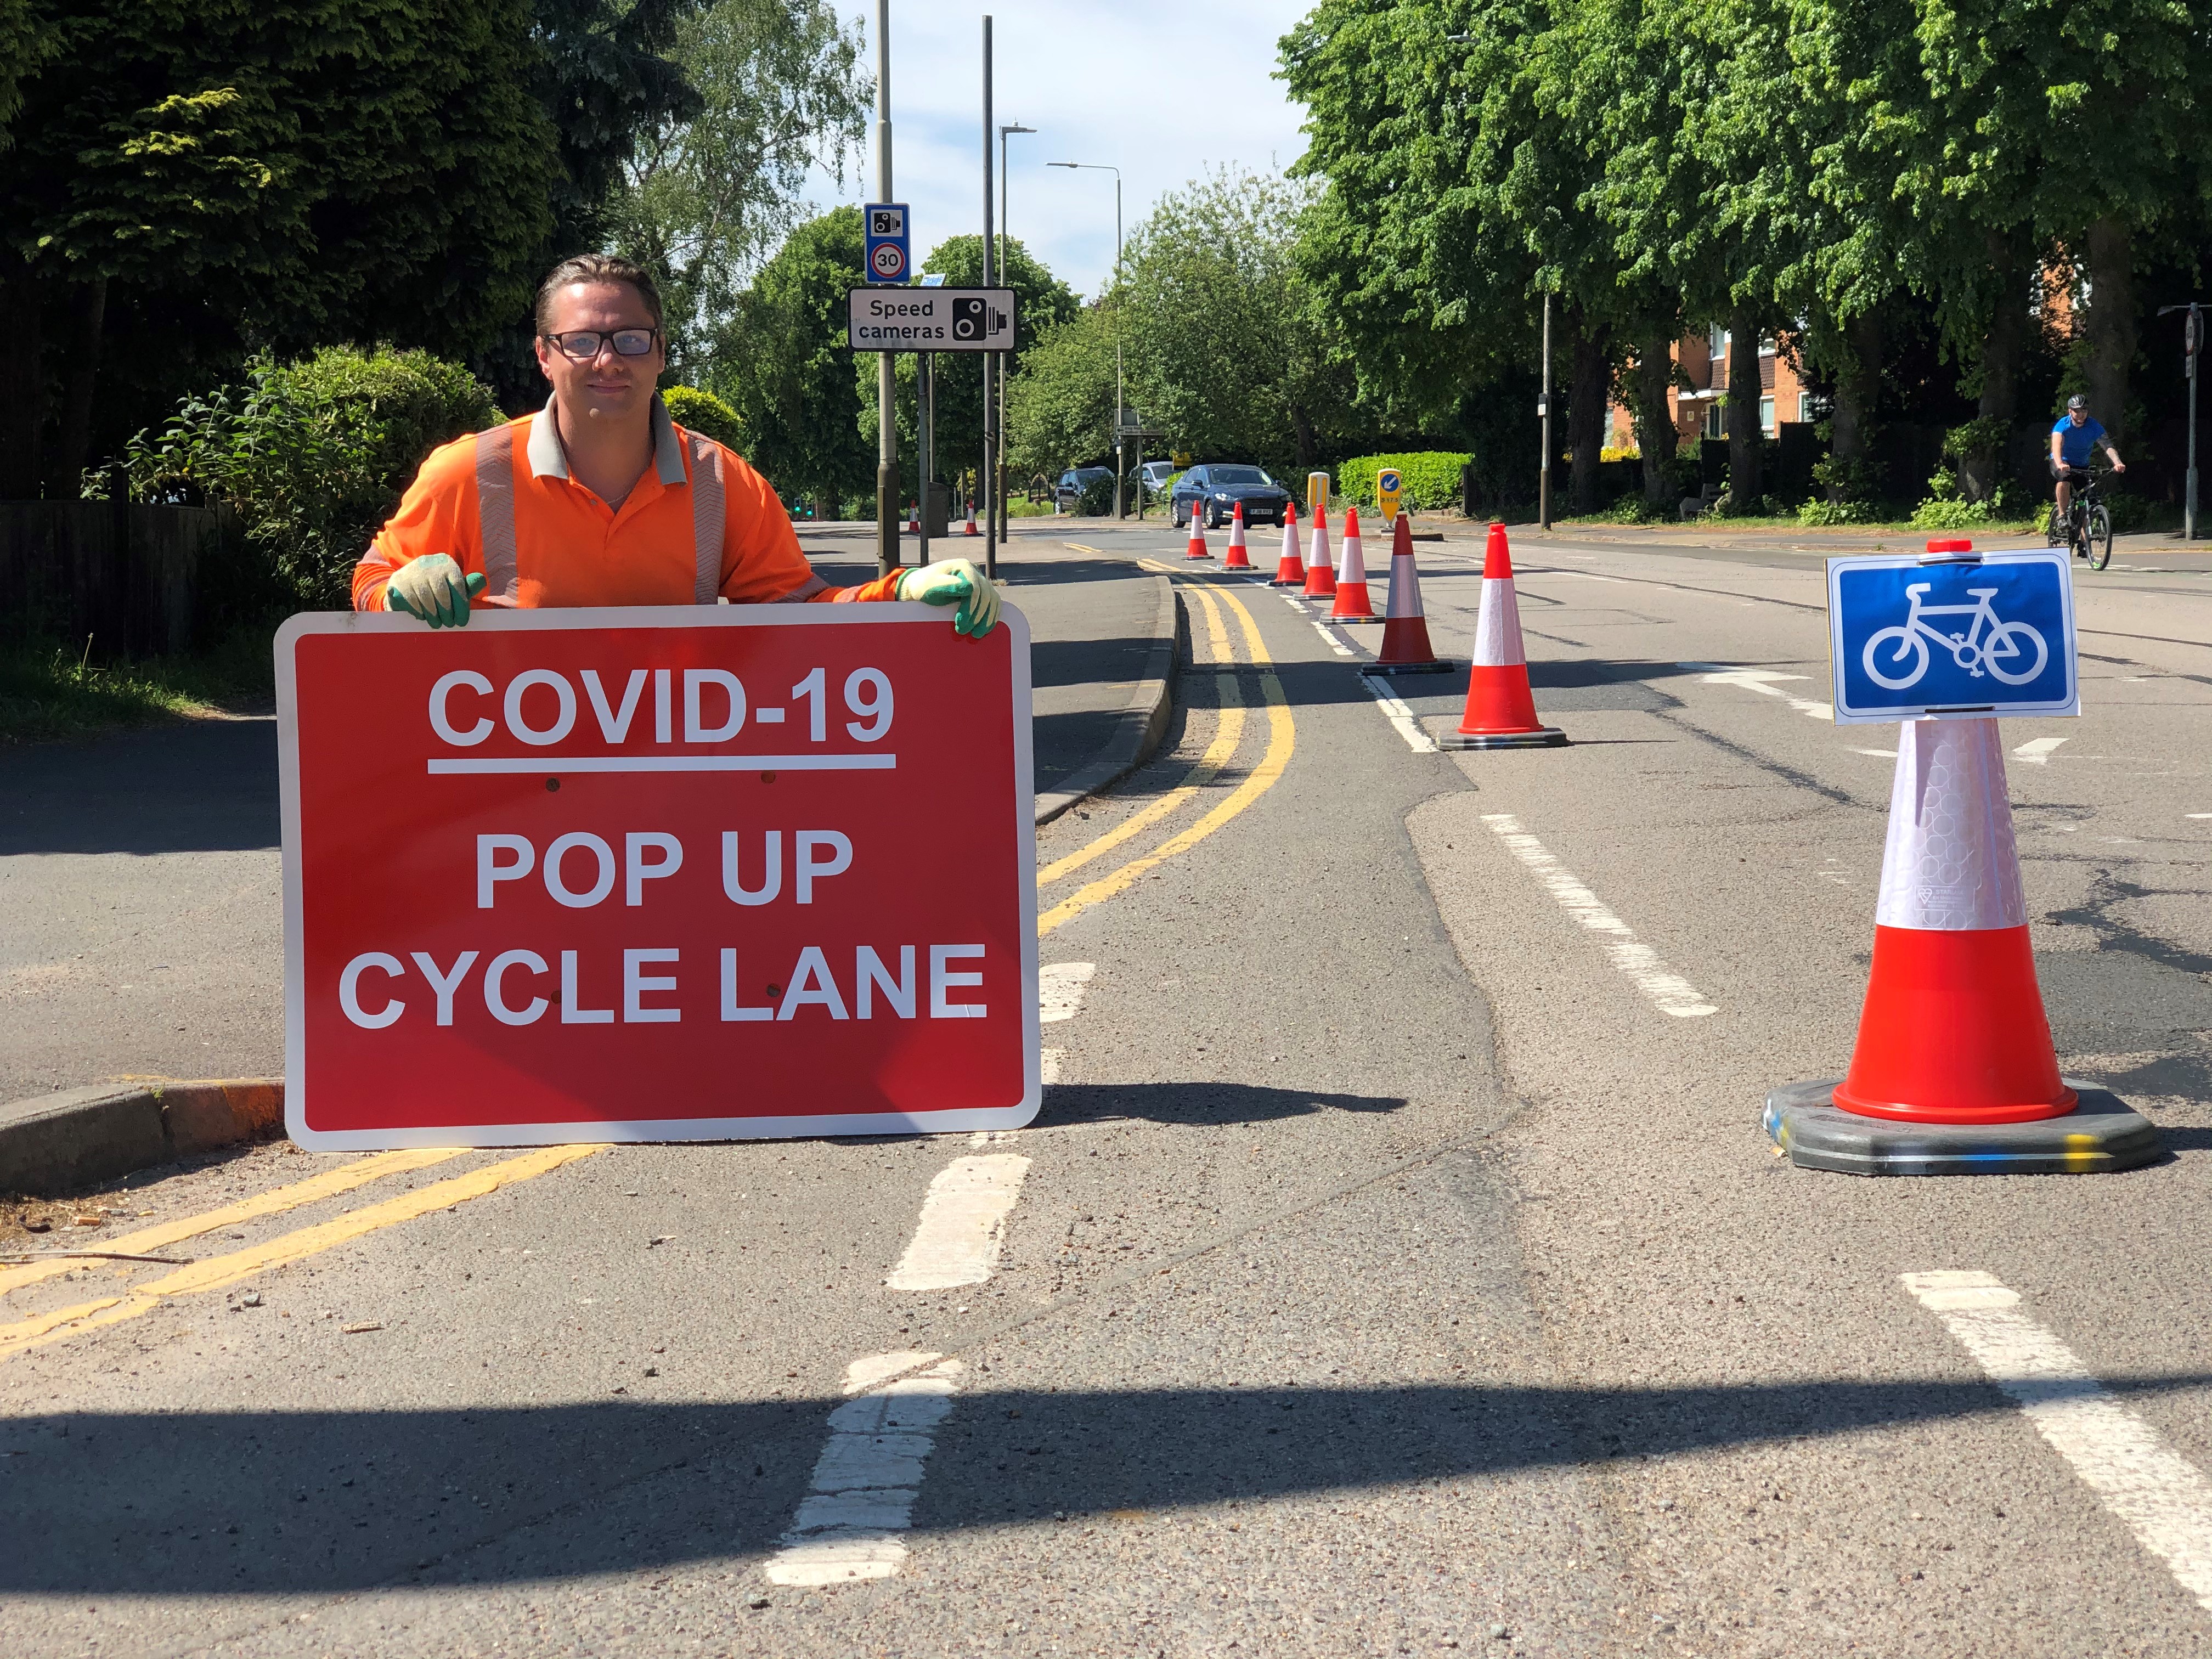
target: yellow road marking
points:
(1282, 738)
(1218, 753)
(147, 1240)
(216, 1272)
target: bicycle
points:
(2088, 528)
(1970, 650)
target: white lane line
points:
(2037, 752)
(1879, 754)
(1394, 711)
(1761, 680)
(1669, 992)
(963, 1221)
(861, 1496)
(2196, 815)
(1334, 644)
(1060, 989)
(2160, 1494)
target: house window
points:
(1766, 416)
(1805, 411)
(1717, 419)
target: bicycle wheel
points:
(2019, 642)
(1909, 647)
(2100, 537)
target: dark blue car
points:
(1212, 491)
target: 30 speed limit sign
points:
(888, 258)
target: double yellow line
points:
(1282, 739)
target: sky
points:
(1163, 125)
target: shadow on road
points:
(322, 1502)
(182, 787)
(1195, 1103)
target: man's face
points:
(609, 387)
(2077, 415)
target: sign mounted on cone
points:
(1952, 634)
(646, 874)
(930, 318)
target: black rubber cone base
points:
(1439, 666)
(1544, 736)
(2097, 1137)
(1356, 621)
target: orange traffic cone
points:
(1321, 568)
(913, 521)
(1351, 605)
(1953, 1030)
(1289, 570)
(1501, 713)
(1406, 648)
(1237, 558)
(1198, 549)
(971, 530)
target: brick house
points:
(1701, 409)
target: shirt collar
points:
(549, 459)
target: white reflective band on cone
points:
(1405, 588)
(1950, 865)
(1498, 629)
(1351, 561)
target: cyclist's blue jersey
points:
(2076, 442)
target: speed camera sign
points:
(888, 258)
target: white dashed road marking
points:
(1400, 717)
(1060, 989)
(2161, 1496)
(963, 1221)
(2037, 752)
(1669, 992)
(869, 1474)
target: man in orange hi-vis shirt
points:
(600, 499)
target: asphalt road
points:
(1386, 1271)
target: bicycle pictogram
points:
(2000, 650)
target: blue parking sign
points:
(1961, 635)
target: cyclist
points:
(2073, 440)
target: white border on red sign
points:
(590, 1131)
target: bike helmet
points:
(2077, 401)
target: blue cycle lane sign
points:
(1955, 634)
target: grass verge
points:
(48, 691)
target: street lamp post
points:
(2192, 348)
(1005, 513)
(983, 471)
(1119, 421)
(887, 481)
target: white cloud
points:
(1162, 91)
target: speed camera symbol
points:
(969, 319)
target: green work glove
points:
(955, 581)
(433, 588)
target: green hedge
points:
(703, 412)
(1431, 479)
(312, 456)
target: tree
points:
(780, 360)
(1042, 302)
(1059, 409)
(260, 173)
(703, 195)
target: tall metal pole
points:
(2196, 327)
(1544, 486)
(887, 480)
(925, 422)
(983, 473)
(1004, 508)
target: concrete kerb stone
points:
(1143, 724)
(58, 1143)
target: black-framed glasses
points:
(582, 345)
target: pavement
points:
(141, 934)
(1386, 1272)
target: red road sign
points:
(656, 873)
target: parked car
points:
(1157, 474)
(1214, 490)
(1068, 494)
